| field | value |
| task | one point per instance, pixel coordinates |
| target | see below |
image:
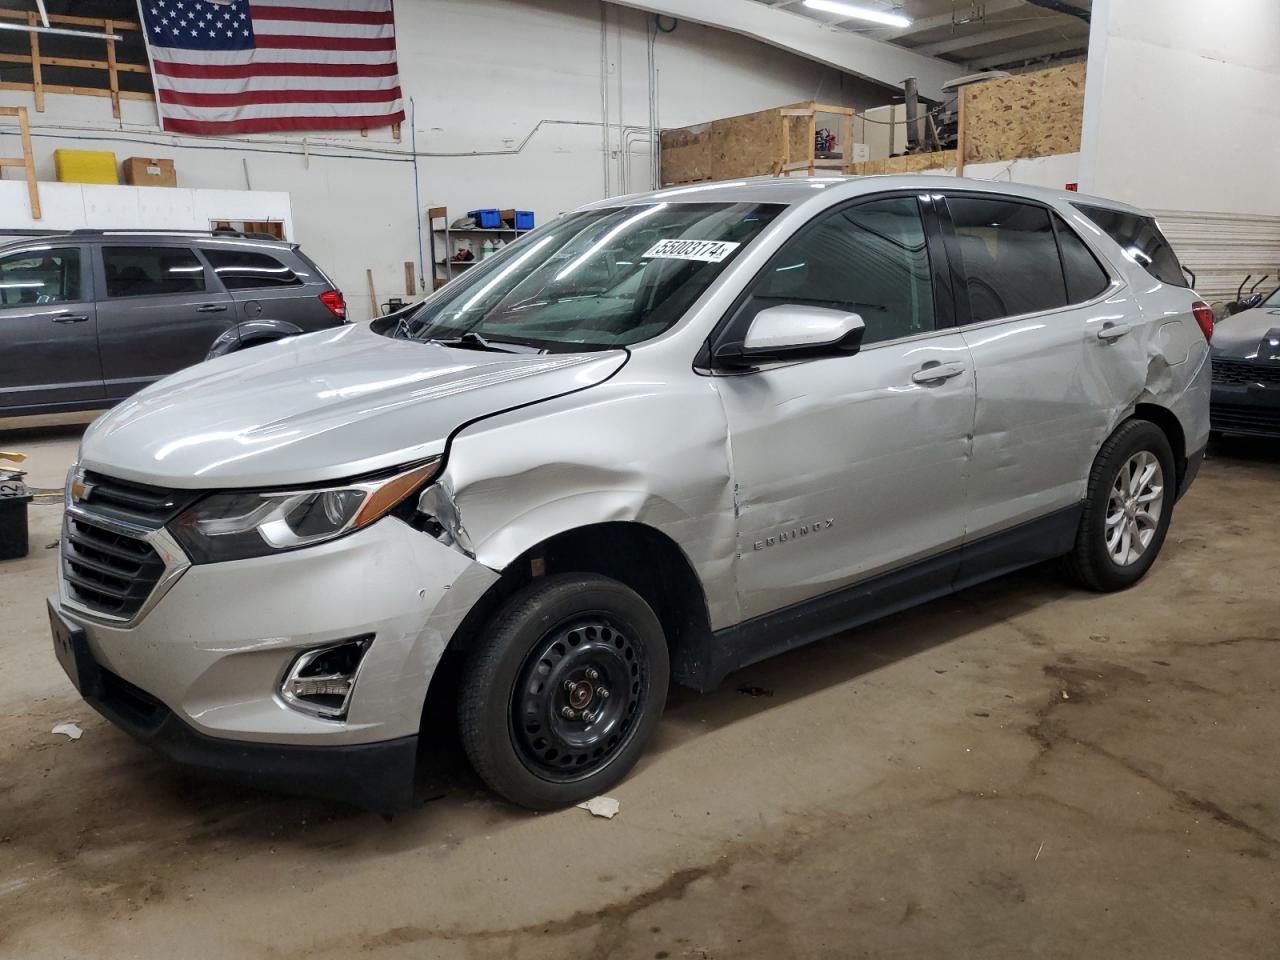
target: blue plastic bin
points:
(524, 220)
(488, 219)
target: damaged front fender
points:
(620, 452)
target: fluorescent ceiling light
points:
(858, 13)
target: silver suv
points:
(659, 439)
(91, 316)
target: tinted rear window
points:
(1141, 238)
(246, 270)
(1085, 276)
(148, 271)
(1010, 257)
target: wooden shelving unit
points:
(441, 244)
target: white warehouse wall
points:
(1182, 105)
(1182, 117)
(482, 75)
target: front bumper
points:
(376, 776)
(198, 676)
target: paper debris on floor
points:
(606, 807)
(70, 728)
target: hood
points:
(320, 407)
(1249, 335)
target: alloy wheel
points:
(1134, 508)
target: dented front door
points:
(847, 467)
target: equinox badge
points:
(794, 533)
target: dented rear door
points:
(1051, 382)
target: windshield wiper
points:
(474, 341)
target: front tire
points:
(1127, 508)
(563, 690)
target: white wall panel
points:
(1182, 117)
(1182, 105)
(72, 206)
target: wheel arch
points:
(251, 333)
(1168, 422)
(633, 553)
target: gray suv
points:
(88, 318)
(658, 439)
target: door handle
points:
(1113, 331)
(211, 308)
(935, 372)
(70, 318)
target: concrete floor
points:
(1023, 770)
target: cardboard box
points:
(85, 166)
(149, 172)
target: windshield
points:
(593, 280)
(1273, 300)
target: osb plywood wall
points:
(1030, 115)
(911, 163)
(746, 146)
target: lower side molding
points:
(992, 556)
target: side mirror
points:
(793, 332)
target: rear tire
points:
(563, 690)
(1127, 508)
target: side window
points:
(1141, 239)
(1085, 276)
(49, 275)
(869, 259)
(147, 271)
(1010, 257)
(245, 270)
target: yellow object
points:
(13, 457)
(86, 166)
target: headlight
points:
(233, 526)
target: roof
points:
(793, 191)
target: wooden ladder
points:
(27, 160)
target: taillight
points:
(338, 306)
(1204, 316)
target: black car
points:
(1246, 371)
(89, 317)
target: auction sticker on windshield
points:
(706, 251)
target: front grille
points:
(1247, 418)
(146, 506)
(106, 571)
(1245, 371)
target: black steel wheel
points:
(574, 702)
(561, 694)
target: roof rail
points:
(10, 236)
(181, 231)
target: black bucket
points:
(13, 527)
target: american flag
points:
(235, 66)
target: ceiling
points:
(978, 34)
